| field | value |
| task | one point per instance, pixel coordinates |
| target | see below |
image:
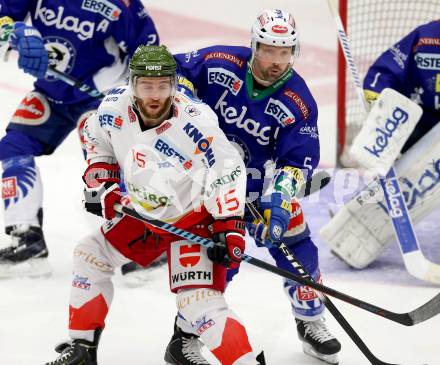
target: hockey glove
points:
(258, 230)
(276, 211)
(277, 205)
(228, 236)
(102, 189)
(6, 28)
(101, 200)
(33, 57)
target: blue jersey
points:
(277, 123)
(412, 67)
(87, 39)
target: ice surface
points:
(33, 313)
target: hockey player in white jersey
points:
(267, 110)
(178, 166)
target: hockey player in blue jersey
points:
(266, 109)
(412, 67)
(90, 40)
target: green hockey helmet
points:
(152, 61)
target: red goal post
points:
(372, 26)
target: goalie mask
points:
(153, 81)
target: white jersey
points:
(175, 168)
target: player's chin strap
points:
(326, 300)
(423, 313)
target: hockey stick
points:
(52, 71)
(69, 80)
(415, 262)
(423, 313)
(317, 182)
(328, 303)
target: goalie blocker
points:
(390, 122)
(361, 229)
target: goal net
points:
(372, 26)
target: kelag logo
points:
(203, 143)
(236, 117)
(395, 199)
(423, 184)
(399, 116)
(49, 17)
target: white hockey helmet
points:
(275, 27)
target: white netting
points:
(372, 27)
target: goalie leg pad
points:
(361, 229)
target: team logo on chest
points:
(61, 54)
(241, 147)
(280, 112)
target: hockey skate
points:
(260, 358)
(135, 275)
(26, 255)
(318, 341)
(184, 349)
(77, 352)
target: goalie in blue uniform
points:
(362, 229)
